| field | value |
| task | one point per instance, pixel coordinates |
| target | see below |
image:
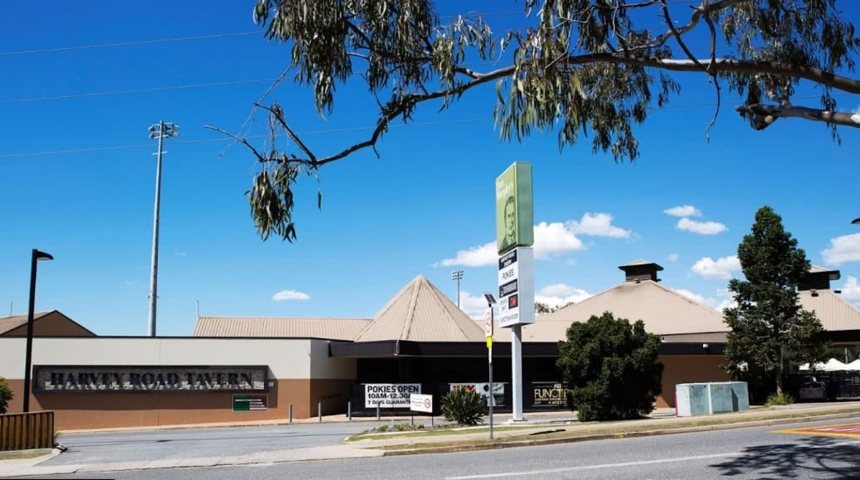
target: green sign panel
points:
(250, 403)
(514, 214)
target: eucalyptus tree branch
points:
(702, 9)
(727, 65)
(713, 30)
(677, 34)
(764, 115)
(260, 157)
(278, 114)
(390, 111)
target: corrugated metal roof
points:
(280, 327)
(8, 324)
(664, 312)
(420, 312)
(834, 313)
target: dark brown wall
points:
(686, 369)
(111, 410)
(333, 393)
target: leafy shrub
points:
(779, 399)
(5, 395)
(464, 406)
(395, 427)
(611, 368)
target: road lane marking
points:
(595, 467)
(849, 430)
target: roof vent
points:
(639, 270)
(818, 278)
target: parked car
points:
(812, 389)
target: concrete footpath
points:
(539, 429)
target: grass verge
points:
(598, 430)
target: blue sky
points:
(424, 207)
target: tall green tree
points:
(611, 368)
(768, 324)
(579, 69)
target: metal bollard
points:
(319, 410)
(291, 413)
(349, 410)
(377, 410)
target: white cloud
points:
(842, 250)
(851, 291)
(724, 299)
(553, 239)
(559, 295)
(475, 306)
(673, 257)
(479, 256)
(720, 269)
(691, 295)
(286, 295)
(683, 211)
(702, 228)
(598, 225)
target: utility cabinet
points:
(693, 399)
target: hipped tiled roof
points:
(280, 327)
(421, 313)
(834, 313)
(664, 312)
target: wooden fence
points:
(25, 431)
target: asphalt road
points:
(166, 444)
(750, 453)
(112, 447)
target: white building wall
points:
(323, 366)
(286, 358)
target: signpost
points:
(250, 403)
(514, 238)
(488, 329)
(422, 403)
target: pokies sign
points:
(389, 395)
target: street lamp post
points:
(457, 275)
(491, 305)
(158, 131)
(35, 257)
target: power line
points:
(133, 91)
(48, 153)
(314, 132)
(127, 44)
(215, 36)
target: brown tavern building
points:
(235, 369)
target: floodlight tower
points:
(457, 275)
(157, 131)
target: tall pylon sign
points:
(514, 240)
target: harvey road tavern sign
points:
(53, 378)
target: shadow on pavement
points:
(810, 457)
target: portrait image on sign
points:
(514, 216)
